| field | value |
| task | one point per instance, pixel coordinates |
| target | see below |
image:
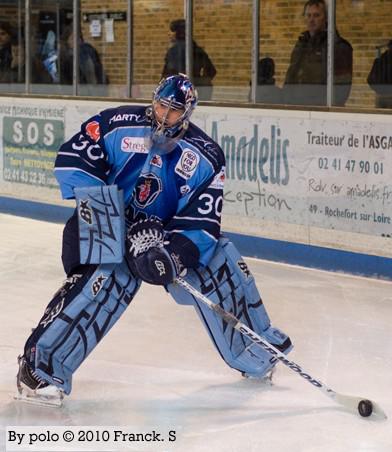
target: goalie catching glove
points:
(153, 258)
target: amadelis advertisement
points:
(334, 174)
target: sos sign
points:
(33, 133)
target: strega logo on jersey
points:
(134, 144)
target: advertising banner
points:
(30, 141)
(329, 173)
(314, 169)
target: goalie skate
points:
(266, 379)
(32, 389)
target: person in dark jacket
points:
(12, 59)
(380, 78)
(203, 69)
(90, 67)
(10, 55)
(306, 77)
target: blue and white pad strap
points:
(101, 224)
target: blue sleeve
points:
(82, 161)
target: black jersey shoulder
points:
(206, 145)
(124, 116)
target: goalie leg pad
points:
(101, 224)
(227, 281)
(77, 318)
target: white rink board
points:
(315, 178)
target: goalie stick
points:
(364, 407)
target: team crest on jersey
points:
(156, 161)
(147, 190)
(187, 164)
(92, 130)
(244, 268)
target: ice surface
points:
(157, 368)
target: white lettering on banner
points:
(134, 144)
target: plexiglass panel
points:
(293, 49)
(152, 41)
(293, 66)
(48, 20)
(12, 54)
(367, 24)
(103, 48)
(222, 32)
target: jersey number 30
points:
(210, 204)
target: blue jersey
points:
(183, 189)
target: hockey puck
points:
(365, 408)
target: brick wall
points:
(113, 54)
(223, 29)
(364, 23)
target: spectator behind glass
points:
(90, 66)
(306, 77)
(203, 69)
(267, 92)
(11, 60)
(380, 78)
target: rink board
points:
(258, 247)
(305, 187)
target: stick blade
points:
(351, 404)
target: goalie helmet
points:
(174, 93)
